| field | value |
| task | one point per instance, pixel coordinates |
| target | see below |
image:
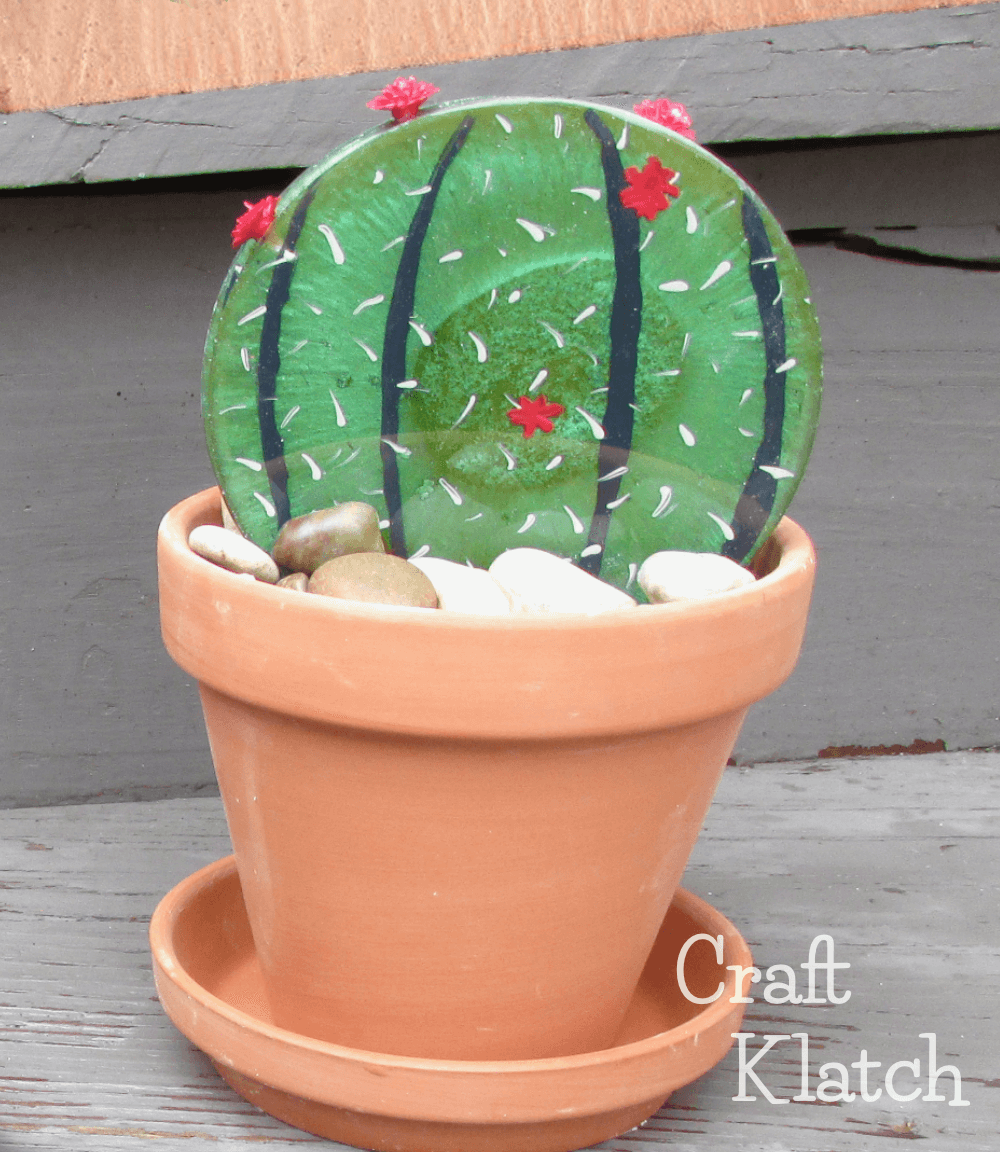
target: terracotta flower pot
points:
(458, 837)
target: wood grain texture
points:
(61, 52)
(893, 859)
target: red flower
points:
(668, 113)
(403, 97)
(532, 414)
(255, 221)
(649, 189)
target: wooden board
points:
(62, 52)
(894, 859)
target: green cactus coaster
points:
(518, 323)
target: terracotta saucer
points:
(209, 984)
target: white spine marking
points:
(449, 256)
(557, 125)
(341, 418)
(298, 347)
(314, 468)
(502, 251)
(528, 521)
(633, 571)
(574, 520)
(747, 393)
(399, 449)
(493, 299)
(252, 315)
(488, 181)
(245, 358)
(369, 352)
(613, 474)
(350, 459)
(290, 416)
(613, 504)
(750, 335)
(379, 176)
(721, 269)
(595, 427)
(776, 472)
(453, 492)
(408, 384)
(687, 344)
(726, 530)
(669, 372)
(466, 410)
(592, 550)
(666, 495)
(675, 286)
(423, 550)
(538, 381)
(787, 365)
(393, 243)
(553, 463)
(765, 260)
(468, 520)
(587, 312)
(555, 334)
(649, 236)
(232, 408)
(425, 337)
(253, 465)
(593, 193)
(509, 457)
(687, 435)
(335, 249)
(535, 231)
(369, 303)
(482, 352)
(266, 505)
(623, 138)
(419, 191)
(514, 296)
(746, 432)
(504, 123)
(692, 221)
(316, 311)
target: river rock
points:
(306, 542)
(375, 578)
(296, 581)
(537, 581)
(463, 589)
(669, 576)
(232, 551)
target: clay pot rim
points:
(708, 1016)
(789, 547)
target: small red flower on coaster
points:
(649, 190)
(403, 98)
(255, 221)
(533, 414)
(668, 113)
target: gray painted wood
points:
(895, 859)
(924, 71)
(106, 298)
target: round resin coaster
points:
(528, 323)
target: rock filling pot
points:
(457, 837)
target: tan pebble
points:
(463, 589)
(669, 576)
(296, 581)
(229, 521)
(374, 578)
(232, 551)
(306, 542)
(537, 581)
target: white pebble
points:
(232, 551)
(537, 581)
(463, 589)
(667, 576)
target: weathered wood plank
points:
(87, 51)
(893, 858)
(931, 70)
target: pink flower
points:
(668, 113)
(255, 221)
(649, 190)
(403, 98)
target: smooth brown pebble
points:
(297, 581)
(306, 542)
(375, 578)
(232, 551)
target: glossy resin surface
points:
(518, 323)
